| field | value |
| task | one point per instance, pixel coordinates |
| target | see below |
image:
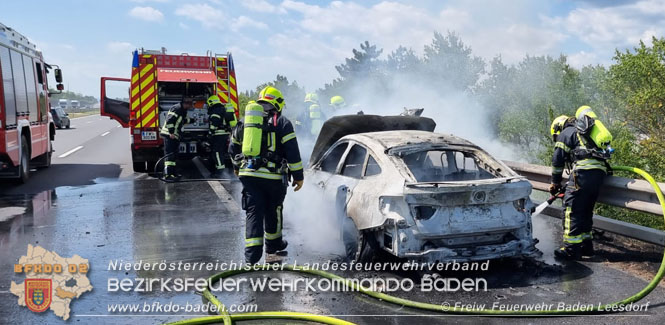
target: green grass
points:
(81, 114)
(636, 217)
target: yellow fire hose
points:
(228, 319)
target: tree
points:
(292, 92)
(638, 82)
(361, 74)
(402, 60)
(364, 63)
(452, 62)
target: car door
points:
(328, 166)
(350, 172)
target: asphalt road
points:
(95, 147)
(91, 204)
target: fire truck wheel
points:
(139, 166)
(24, 168)
(150, 166)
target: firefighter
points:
(337, 103)
(265, 156)
(175, 119)
(221, 119)
(311, 120)
(573, 149)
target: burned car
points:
(401, 189)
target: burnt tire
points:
(359, 246)
(24, 167)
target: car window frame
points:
(339, 162)
(371, 154)
(364, 163)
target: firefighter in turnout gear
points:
(266, 156)
(584, 153)
(311, 120)
(221, 120)
(171, 132)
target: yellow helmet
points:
(557, 126)
(311, 98)
(585, 111)
(213, 100)
(273, 96)
(337, 101)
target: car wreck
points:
(401, 189)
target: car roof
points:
(389, 139)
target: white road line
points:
(72, 126)
(105, 133)
(70, 152)
(221, 192)
(88, 122)
(118, 126)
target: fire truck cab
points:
(26, 127)
(159, 81)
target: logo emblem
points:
(38, 294)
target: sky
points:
(304, 40)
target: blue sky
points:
(304, 40)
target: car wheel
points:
(24, 168)
(69, 124)
(59, 126)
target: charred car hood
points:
(340, 126)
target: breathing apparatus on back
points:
(255, 144)
(594, 136)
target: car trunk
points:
(470, 212)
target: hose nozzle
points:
(554, 197)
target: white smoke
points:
(311, 225)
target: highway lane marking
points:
(118, 126)
(217, 187)
(105, 133)
(70, 152)
(88, 122)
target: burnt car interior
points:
(445, 166)
(353, 162)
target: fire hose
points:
(227, 319)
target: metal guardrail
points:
(623, 192)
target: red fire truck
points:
(26, 128)
(158, 81)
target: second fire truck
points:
(158, 81)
